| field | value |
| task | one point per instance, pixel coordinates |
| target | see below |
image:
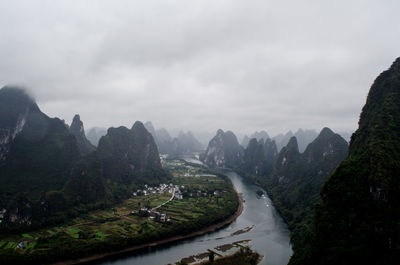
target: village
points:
(2, 212)
(178, 192)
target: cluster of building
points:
(20, 245)
(162, 188)
(155, 215)
(2, 213)
(176, 190)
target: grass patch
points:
(73, 232)
(10, 245)
(3, 243)
(101, 235)
(31, 245)
(27, 236)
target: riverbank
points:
(203, 231)
(242, 257)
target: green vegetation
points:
(121, 225)
(358, 220)
(27, 236)
(296, 179)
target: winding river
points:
(269, 235)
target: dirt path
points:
(164, 203)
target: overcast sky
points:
(201, 65)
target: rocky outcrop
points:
(15, 105)
(78, 131)
(223, 151)
(128, 153)
(288, 164)
(259, 157)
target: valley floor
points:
(205, 203)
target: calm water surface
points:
(270, 236)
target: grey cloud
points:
(200, 65)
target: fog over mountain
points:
(240, 65)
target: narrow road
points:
(164, 203)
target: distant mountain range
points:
(292, 179)
(94, 134)
(257, 135)
(304, 137)
(184, 143)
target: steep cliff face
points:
(223, 151)
(358, 219)
(259, 157)
(39, 151)
(78, 130)
(325, 153)
(297, 179)
(37, 154)
(254, 157)
(288, 163)
(15, 105)
(128, 153)
(124, 160)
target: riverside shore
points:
(203, 231)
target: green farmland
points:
(205, 200)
